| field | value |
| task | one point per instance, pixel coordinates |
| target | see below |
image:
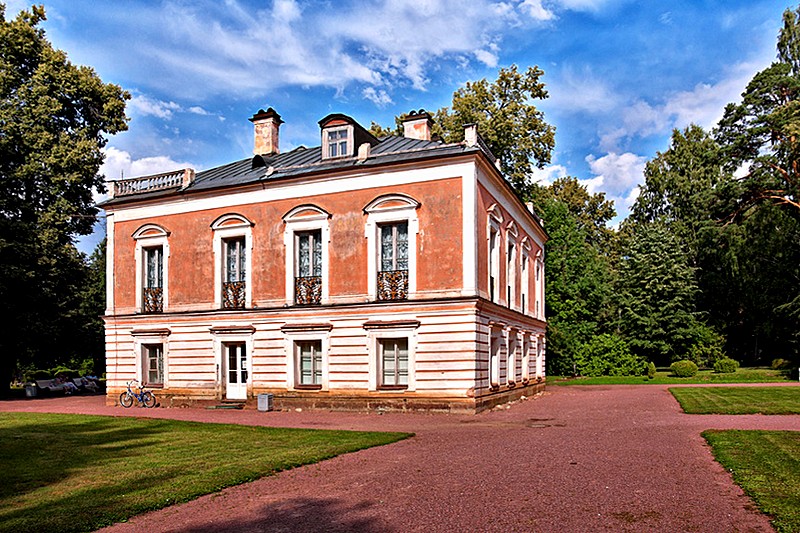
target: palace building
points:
(364, 273)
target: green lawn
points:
(79, 473)
(665, 377)
(738, 400)
(766, 464)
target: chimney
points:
(470, 134)
(417, 125)
(267, 123)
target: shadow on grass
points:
(302, 514)
(44, 457)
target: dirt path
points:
(589, 458)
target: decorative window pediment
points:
(306, 212)
(391, 202)
(231, 220)
(495, 213)
(149, 231)
(511, 230)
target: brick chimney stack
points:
(267, 123)
(417, 125)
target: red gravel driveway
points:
(588, 458)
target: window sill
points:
(393, 387)
(308, 387)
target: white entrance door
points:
(235, 354)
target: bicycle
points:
(144, 397)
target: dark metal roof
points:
(302, 160)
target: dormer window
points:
(337, 142)
(341, 136)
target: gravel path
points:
(589, 458)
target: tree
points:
(656, 291)
(508, 121)
(578, 281)
(762, 133)
(679, 190)
(512, 126)
(54, 117)
(592, 211)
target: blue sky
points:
(621, 74)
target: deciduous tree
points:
(54, 118)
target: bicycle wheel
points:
(148, 399)
(125, 399)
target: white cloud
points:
(197, 110)
(486, 57)
(144, 105)
(547, 175)
(119, 164)
(379, 98)
(536, 10)
(703, 105)
(618, 175)
(581, 91)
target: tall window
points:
(393, 263)
(494, 360)
(524, 282)
(393, 354)
(511, 273)
(309, 363)
(234, 285)
(308, 267)
(494, 259)
(511, 364)
(153, 363)
(153, 289)
(337, 143)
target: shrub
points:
(651, 370)
(726, 365)
(608, 355)
(706, 354)
(35, 375)
(62, 370)
(781, 364)
(683, 369)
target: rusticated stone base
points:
(327, 401)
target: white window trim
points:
(377, 215)
(526, 357)
(291, 337)
(143, 241)
(495, 335)
(221, 338)
(525, 276)
(297, 224)
(140, 339)
(511, 272)
(511, 338)
(374, 352)
(223, 230)
(350, 141)
(539, 283)
(540, 344)
(494, 261)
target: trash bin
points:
(30, 391)
(265, 402)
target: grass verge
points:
(665, 377)
(738, 400)
(79, 473)
(766, 464)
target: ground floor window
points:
(153, 363)
(309, 363)
(393, 358)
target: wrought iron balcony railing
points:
(233, 294)
(308, 290)
(153, 300)
(393, 285)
